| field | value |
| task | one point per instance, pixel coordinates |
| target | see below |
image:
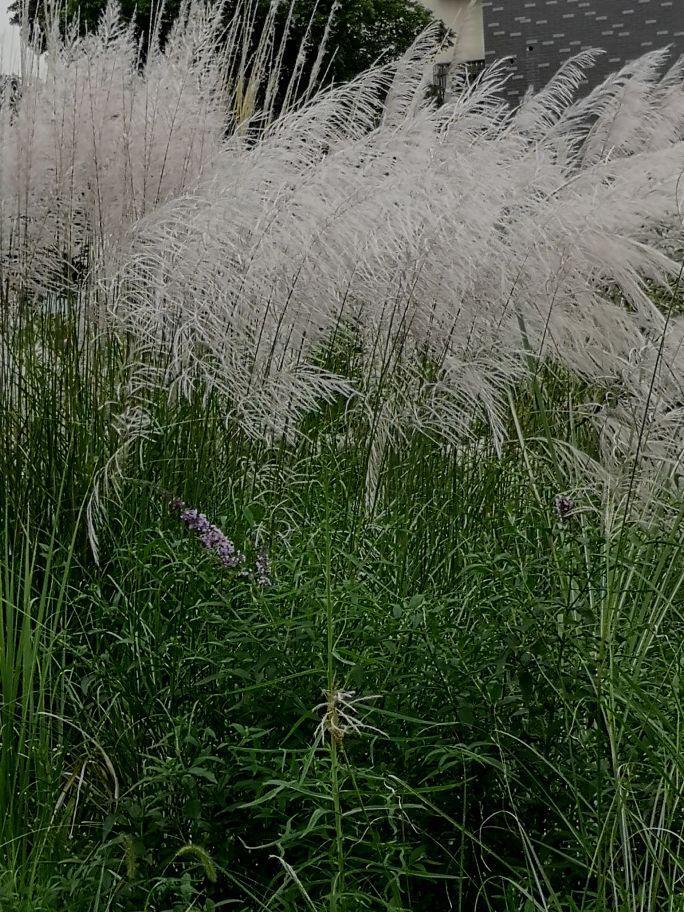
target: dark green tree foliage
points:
(362, 31)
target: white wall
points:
(464, 17)
(9, 42)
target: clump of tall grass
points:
(459, 246)
(97, 139)
(255, 297)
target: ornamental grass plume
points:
(94, 144)
(459, 246)
(95, 140)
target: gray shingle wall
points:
(540, 34)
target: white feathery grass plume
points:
(540, 110)
(627, 111)
(132, 427)
(410, 79)
(97, 141)
(458, 245)
(431, 231)
(94, 144)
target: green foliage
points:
(450, 697)
(362, 33)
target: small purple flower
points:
(211, 537)
(214, 540)
(228, 556)
(563, 506)
(262, 570)
(195, 521)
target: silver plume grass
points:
(480, 238)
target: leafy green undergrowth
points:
(456, 692)
(516, 730)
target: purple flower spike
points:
(262, 570)
(217, 542)
(212, 538)
(564, 507)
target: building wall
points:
(465, 20)
(540, 34)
